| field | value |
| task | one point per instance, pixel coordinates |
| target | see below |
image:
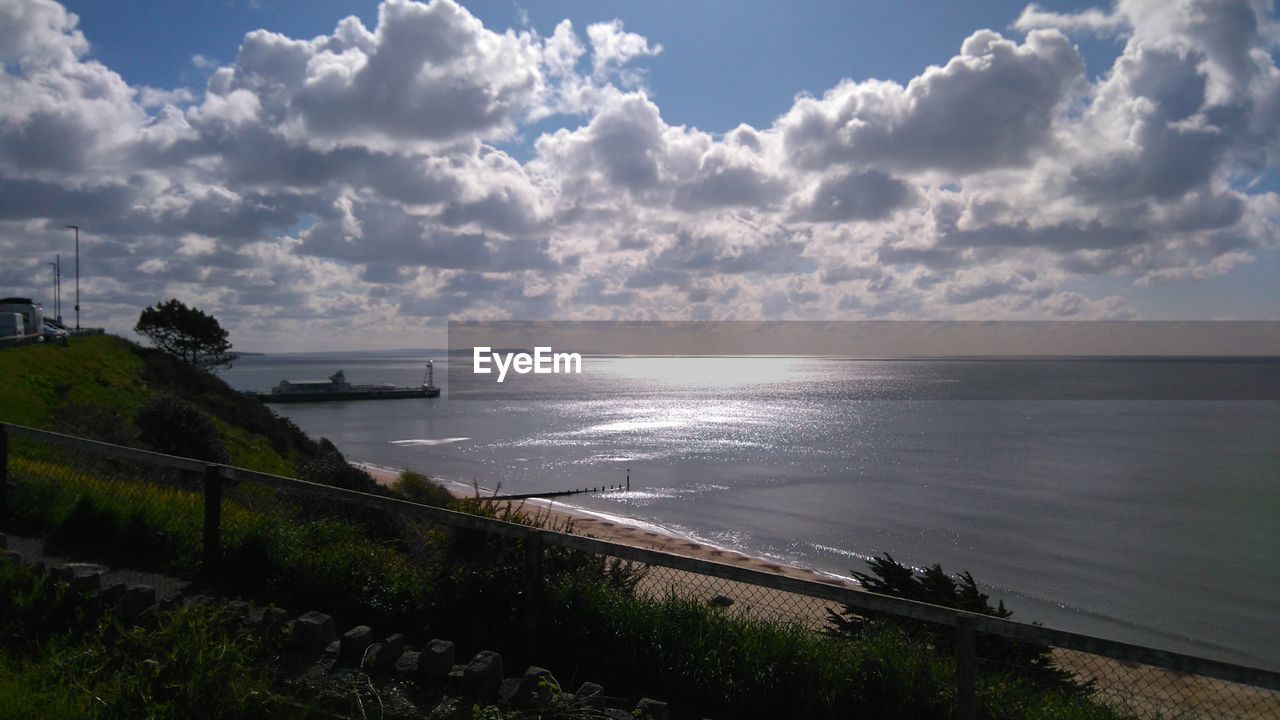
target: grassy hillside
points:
(95, 386)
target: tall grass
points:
(63, 656)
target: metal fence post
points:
(212, 540)
(532, 586)
(966, 670)
(4, 475)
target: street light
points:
(77, 229)
(57, 286)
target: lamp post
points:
(77, 229)
(57, 287)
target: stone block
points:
(353, 645)
(437, 659)
(482, 677)
(312, 632)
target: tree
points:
(187, 333)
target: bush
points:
(419, 488)
(172, 425)
(934, 586)
(210, 392)
(331, 468)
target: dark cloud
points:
(869, 195)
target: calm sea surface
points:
(1145, 520)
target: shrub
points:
(420, 489)
(211, 393)
(172, 425)
(331, 468)
(934, 586)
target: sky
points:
(334, 175)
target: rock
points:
(273, 617)
(651, 709)
(134, 602)
(437, 660)
(83, 577)
(354, 644)
(111, 595)
(387, 652)
(407, 665)
(482, 677)
(449, 708)
(312, 632)
(238, 608)
(455, 681)
(507, 692)
(591, 695)
(536, 688)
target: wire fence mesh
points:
(125, 506)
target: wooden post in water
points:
(966, 670)
(212, 539)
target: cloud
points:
(432, 167)
(430, 73)
(1092, 21)
(612, 47)
(868, 195)
(991, 106)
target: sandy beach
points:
(756, 601)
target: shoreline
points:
(627, 531)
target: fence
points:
(1137, 681)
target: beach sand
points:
(752, 600)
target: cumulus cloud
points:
(1093, 21)
(612, 47)
(992, 105)
(313, 181)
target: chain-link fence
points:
(365, 555)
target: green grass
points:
(94, 386)
(63, 656)
(100, 372)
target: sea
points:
(1151, 518)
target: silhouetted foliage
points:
(186, 333)
(934, 586)
(172, 425)
(210, 392)
(331, 468)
